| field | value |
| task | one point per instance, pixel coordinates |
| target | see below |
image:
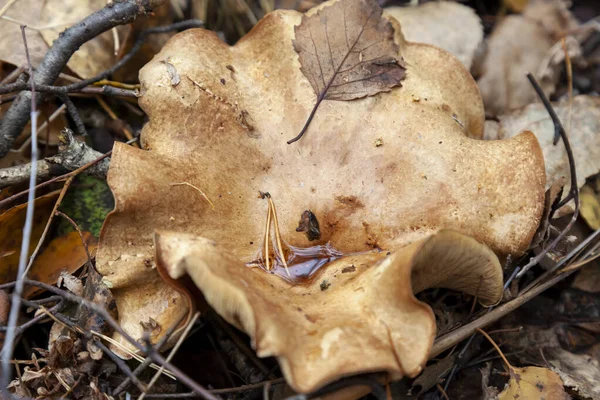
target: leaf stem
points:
(310, 117)
(510, 367)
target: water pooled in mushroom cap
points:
(303, 263)
(296, 265)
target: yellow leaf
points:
(516, 5)
(590, 207)
(533, 383)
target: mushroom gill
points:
(358, 304)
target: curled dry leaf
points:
(96, 291)
(314, 332)
(520, 44)
(218, 138)
(450, 26)
(583, 136)
(72, 283)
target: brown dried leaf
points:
(94, 351)
(588, 278)
(92, 57)
(72, 283)
(451, 26)
(583, 136)
(521, 43)
(29, 374)
(347, 51)
(96, 291)
(12, 49)
(103, 51)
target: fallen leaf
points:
(489, 392)
(534, 383)
(432, 375)
(448, 25)
(588, 278)
(96, 291)
(92, 57)
(46, 135)
(12, 222)
(347, 51)
(12, 159)
(70, 282)
(519, 44)
(12, 49)
(30, 374)
(63, 254)
(579, 372)
(94, 351)
(227, 142)
(101, 53)
(583, 136)
(590, 206)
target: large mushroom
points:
(385, 173)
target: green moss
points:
(87, 202)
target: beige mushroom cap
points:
(364, 319)
(379, 172)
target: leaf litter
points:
(450, 26)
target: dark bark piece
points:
(347, 51)
(309, 224)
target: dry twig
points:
(71, 156)
(7, 349)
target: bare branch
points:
(71, 156)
